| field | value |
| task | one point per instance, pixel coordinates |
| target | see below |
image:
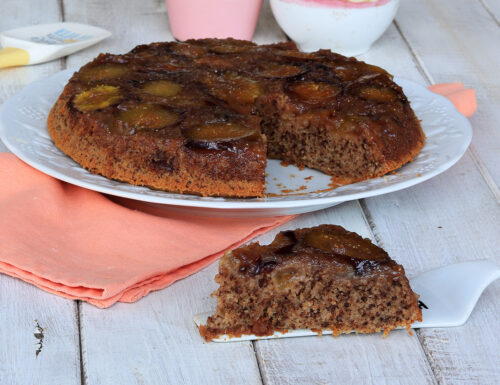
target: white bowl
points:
(346, 27)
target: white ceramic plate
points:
(23, 129)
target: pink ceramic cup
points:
(197, 19)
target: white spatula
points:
(44, 42)
(447, 297)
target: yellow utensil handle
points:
(10, 56)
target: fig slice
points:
(244, 91)
(103, 72)
(296, 54)
(215, 62)
(275, 70)
(345, 72)
(234, 88)
(189, 50)
(163, 88)
(381, 95)
(372, 70)
(218, 132)
(339, 244)
(314, 92)
(227, 48)
(97, 98)
(148, 116)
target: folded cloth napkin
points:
(463, 98)
(78, 244)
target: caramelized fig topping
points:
(314, 92)
(97, 98)
(295, 54)
(163, 88)
(238, 89)
(353, 247)
(148, 116)
(284, 242)
(275, 70)
(103, 72)
(189, 50)
(215, 62)
(266, 264)
(233, 88)
(218, 132)
(230, 48)
(381, 95)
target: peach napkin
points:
(78, 244)
(463, 98)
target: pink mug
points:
(197, 19)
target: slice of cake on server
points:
(320, 278)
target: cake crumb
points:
(334, 184)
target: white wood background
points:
(453, 217)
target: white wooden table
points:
(453, 217)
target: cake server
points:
(447, 297)
(44, 42)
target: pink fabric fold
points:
(78, 244)
(463, 98)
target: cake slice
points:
(317, 278)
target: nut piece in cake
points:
(317, 278)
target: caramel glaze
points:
(222, 81)
(325, 245)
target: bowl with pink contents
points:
(348, 27)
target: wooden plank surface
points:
(493, 8)
(427, 224)
(452, 48)
(131, 23)
(38, 336)
(155, 341)
(38, 331)
(450, 218)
